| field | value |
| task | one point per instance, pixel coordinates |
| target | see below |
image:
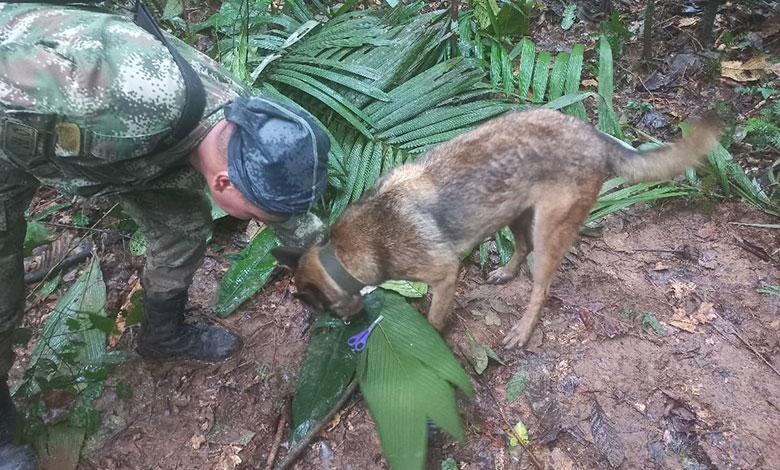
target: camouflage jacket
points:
(101, 93)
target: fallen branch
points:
(283, 418)
(301, 445)
(745, 342)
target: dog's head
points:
(317, 290)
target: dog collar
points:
(336, 270)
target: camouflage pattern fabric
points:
(100, 93)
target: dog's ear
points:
(287, 256)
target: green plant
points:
(68, 370)
(616, 33)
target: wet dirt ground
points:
(692, 397)
(694, 391)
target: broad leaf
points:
(60, 345)
(326, 371)
(406, 375)
(406, 288)
(37, 235)
(247, 274)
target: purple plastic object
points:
(358, 342)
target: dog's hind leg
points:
(443, 291)
(557, 222)
(522, 229)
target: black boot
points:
(164, 335)
(12, 457)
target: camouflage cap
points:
(278, 155)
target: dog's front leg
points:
(443, 294)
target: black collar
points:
(336, 270)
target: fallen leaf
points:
(683, 325)
(607, 439)
(516, 385)
(501, 307)
(589, 82)
(335, 421)
(521, 432)
(492, 318)
(197, 440)
(680, 290)
(690, 21)
(748, 71)
(120, 319)
(704, 313)
(480, 354)
(660, 266)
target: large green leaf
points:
(326, 371)
(406, 375)
(608, 122)
(68, 332)
(37, 235)
(247, 274)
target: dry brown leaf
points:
(197, 440)
(683, 325)
(704, 313)
(680, 290)
(748, 71)
(120, 320)
(589, 82)
(690, 21)
(660, 266)
(334, 422)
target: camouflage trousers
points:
(176, 223)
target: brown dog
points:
(539, 172)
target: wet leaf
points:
(59, 447)
(37, 235)
(407, 374)
(521, 432)
(172, 9)
(58, 343)
(772, 290)
(123, 390)
(247, 274)
(49, 287)
(325, 373)
(84, 417)
(650, 320)
(569, 15)
(80, 220)
(544, 406)
(138, 243)
(480, 353)
(406, 288)
(607, 440)
(516, 385)
(21, 336)
(449, 464)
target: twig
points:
(756, 250)
(745, 342)
(283, 418)
(527, 449)
(298, 448)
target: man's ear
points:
(221, 181)
(288, 256)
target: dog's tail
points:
(669, 161)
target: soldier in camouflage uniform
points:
(86, 100)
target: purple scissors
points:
(358, 342)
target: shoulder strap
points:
(194, 94)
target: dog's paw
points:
(501, 276)
(517, 337)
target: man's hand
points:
(300, 231)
